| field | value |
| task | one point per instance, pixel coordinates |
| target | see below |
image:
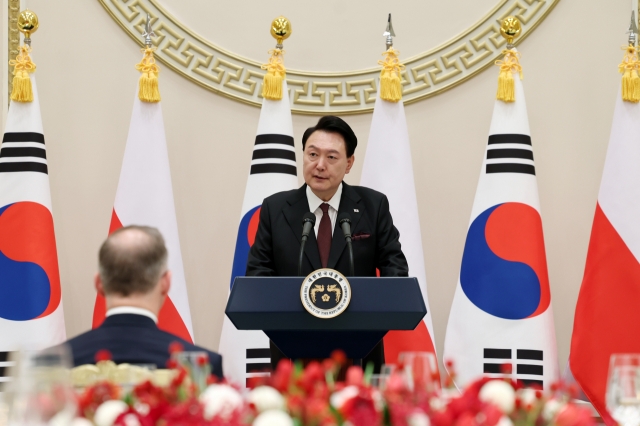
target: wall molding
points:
(427, 74)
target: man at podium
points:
(328, 154)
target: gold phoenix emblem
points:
(314, 290)
(320, 285)
(334, 288)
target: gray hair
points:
(132, 260)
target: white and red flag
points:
(501, 312)
(607, 318)
(31, 315)
(145, 197)
(245, 353)
(388, 168)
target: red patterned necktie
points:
(324, 235)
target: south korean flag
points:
(31, 315)
(273, 169)
(501, 318)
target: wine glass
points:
(196, 363)
(41, 391)
(623, 389)
(419, 370)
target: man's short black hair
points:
(333, 124)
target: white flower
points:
(378, 399)
(219, 400)
(338, 399)
(273, 418)
(500, 394)
(437, 404)
(68, 417)
(131, 420)
(81, 421)
(108, 412)
(504, 421)
(552, 408)
(266, 398)
(527, 396)
(418, 419)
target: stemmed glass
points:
(419, 370)
(197, 365)
(623, 389)
(41, 391)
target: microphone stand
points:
(302, 244)
(351, 263)
(308, 221)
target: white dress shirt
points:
(334, 205)
(132, 310)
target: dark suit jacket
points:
(376, 245)
(277, 244)
(134, 339)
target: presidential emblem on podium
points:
(325, 293)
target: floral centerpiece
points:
(311, 396)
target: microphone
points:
(308, 222)
(345, 223)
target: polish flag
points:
(501, 311)
(607, 318)
(31, 315)
(245, 353)
(388, 168)
(145, 197)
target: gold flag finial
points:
(148, 90)
(276, 72)
(630, 65)
(22, 90)
(510, 28)
(391, 74)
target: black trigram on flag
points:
(5, 365)
(273, 154)
(528, 364)
(510, 153)
(258, 363)
(23, 152)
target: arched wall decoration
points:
(231, 75)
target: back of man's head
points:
(132, 260)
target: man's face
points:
(325, 163)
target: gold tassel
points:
(506, 84)
(390, 77)
(274, 78)
(629, 70)
(22, 90)
(148, 90)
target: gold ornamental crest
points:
(319, 93)
(325, 293)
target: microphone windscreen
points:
(309, 217)
(344, 217)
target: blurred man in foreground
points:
(134, 280)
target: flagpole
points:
(4, 16)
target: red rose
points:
(202, 360)
(573, 415)
(175, 347)
(103, 355)
(339, 357)
(354, 376)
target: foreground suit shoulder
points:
(133, 339)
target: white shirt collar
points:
(315, 201)
(132, 310)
